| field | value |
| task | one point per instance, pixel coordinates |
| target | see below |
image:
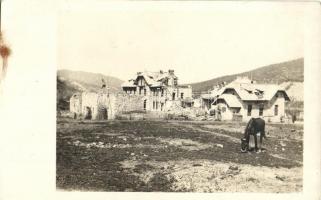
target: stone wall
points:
(75, 103)
(129, 103)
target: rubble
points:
(178, 112)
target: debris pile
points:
(176, 111)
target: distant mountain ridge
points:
(70, 82)
(290, 71)
(89, 81)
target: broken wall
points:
(129, 103)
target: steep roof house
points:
(243, 99)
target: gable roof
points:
(231, 100)
(256, 92)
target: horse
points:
(253, 127)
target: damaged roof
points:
(129, 83)
(256, 92)
(153, 79)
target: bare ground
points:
(181, 156)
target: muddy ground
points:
(177, 156)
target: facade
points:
(75, 103)
(243, 99)
(91, 105)
(104, 106)
(160, 90)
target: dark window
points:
(153, 104)
(162, 105)
(142, 82)
(249, 110)
(261, 110)
(145, 92)
(173, 96)
(156, 105)
(162, 92)
(182, 95)
(276, 110)
(145, 102)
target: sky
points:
(199, 40)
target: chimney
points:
(171, 71)
(161, 71)
(139, 73)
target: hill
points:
(291, 71)
(70, 82)
(89, 81)
(64, 92)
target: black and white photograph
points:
(180, 99)
(145, 99)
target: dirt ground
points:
(177, 156)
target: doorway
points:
(102, 114)
(88, 114)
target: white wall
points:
(268, 111)
(187, 92)
(227, 114)
(89, 100)
(75, 104)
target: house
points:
(206, 101)
(243, 99)
(160, 90)
(208, 98)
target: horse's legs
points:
(255, 140)
(261, 139)
(248, 141)
(261, 136)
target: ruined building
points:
(103, 105)
(160, 90)
(148, 91)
